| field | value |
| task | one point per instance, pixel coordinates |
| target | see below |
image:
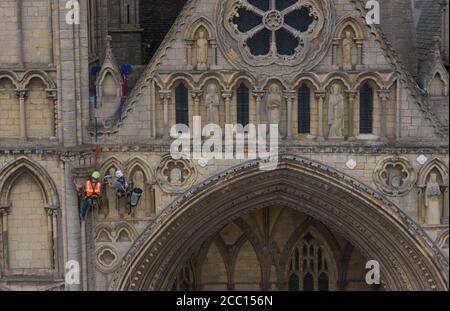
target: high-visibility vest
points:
(93, 190)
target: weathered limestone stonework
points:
(362, 170)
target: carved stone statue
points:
(347, 48)
(274, 102)
(395, 179)
(212, 103)
(202, 45)
(175, 177)
(336, 109)
(433, 202)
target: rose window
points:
(276, 27)
(275, 34)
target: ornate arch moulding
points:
(411, 259)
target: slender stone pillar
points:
(335, 55)
(259, 94)
(50, 33)
(352, 95)
(165, 96)
(227, 96)
(22, 94)
(320, 102)
(19, 32)
(384, 99)
(289, 96)
(213, 44)
(197, 96)
(189, 45)
(73, 228)
(4, 211)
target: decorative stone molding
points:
(394, 176)
(175, 176)
(312, 43)
(411, 259)
(107, 258)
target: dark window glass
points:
(293, 282)
(286, 43)
(247, 20)
(261, 4)
(182, 104)
(259, 44)
(284, 4)
(304, 109)
(300, 19)
(308, 282)
(366, 109)
(243, 99)
(323, 282)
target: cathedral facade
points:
(362, 177)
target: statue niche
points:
(273, 104)
(146, 207)
(433, 201)
(347, 50)
(212, 103)
(336, 113)
(202, 49)
(433, 193)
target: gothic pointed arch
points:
(140, 163)
(356, 212)
(111, 162)
(12, 171)
(440, 169)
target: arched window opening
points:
(304, 109)
(243, 99)
(182, 104)
(312, 274)
(366, 109)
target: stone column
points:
(165, 96)
(19, 32)
(52, 212)
(4, 211)
(197, 96)
(335, 55)
(360, 55)
(320, 96)
(227, 96)
(289, 96)
(384, 98)
(52, 96)
(73, 227)
(352, 95)
(189, 45)
(50, 33)
(259, 94)
(213, 44)
(22, 94)
(446, 201)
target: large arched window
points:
(366, 109)
(243, 99)
(308, 266)
(182, 104)
(304, 109)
